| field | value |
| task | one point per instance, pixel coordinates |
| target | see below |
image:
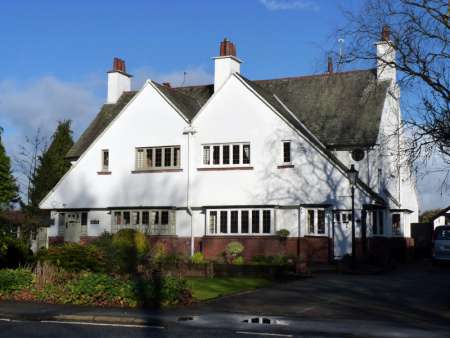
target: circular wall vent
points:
(358, 155)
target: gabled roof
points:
(340, 109)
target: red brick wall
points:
(55, 240)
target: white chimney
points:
(385, 55)
(225, 64)
(118, 81)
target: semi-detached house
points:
(199, 166)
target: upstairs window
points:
(315, 222)
(226, 154)
(286, 151)
(105, 160)
(158, 158)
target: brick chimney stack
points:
(119, 81)
(330, 65)
(226, 63)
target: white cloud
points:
(283, 5)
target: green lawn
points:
(208, 288)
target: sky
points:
(54, 55)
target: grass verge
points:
(209, 288)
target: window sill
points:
(225, 168)
(146, 171)
(285, 166)
(103, 173)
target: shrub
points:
(99, 288)
(197, 258)
(75, 257)
(16, 253)
(238, 260)
(234, 249)
(12, 280)
(170, 290)
(284, 233)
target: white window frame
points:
(239, 232)
(104, 168)
(175, 156)
(208, 162)
(282, 152)
(316, 222)
(152, 228)
(400, 229)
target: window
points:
(396, 227)
(84, 218)
(255, 221)
(234, 222)
(377, 221)
(287, 151)
(226, 154)
(145, 218)
(153, 222)
(105, 160)
(206, 155)
(223, 222)
(244, 221)
(316, 222)
(216, 155)
(236, 156)
(246, 154)
(213, 222)
(240, 222)
(157, 157)
(266, 221)
(94, 221)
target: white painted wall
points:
(117, 84)
(224, 66)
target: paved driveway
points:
(414, 295)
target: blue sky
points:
(55, 54)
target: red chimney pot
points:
(119, 65)
(227, 48)
(330, 65)
(385, 33)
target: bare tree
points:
(28, 160)
(418, 30)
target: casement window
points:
(396, 225)
(240, 222)
(105, 160)
(376, 219)
(286, 151)
(151, 222)
(226, 154)
(61, 223)
(94, 221)
(158, 158)
(342, 216)
(316, 222)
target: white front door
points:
(342, 226)
(73, 227)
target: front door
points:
(342, 233)
(73, 227)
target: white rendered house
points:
(197, 167)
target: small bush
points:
(75, 257)
(284, 233)
(12, 280)
(197, 258)
(171, 290)
(234, 249)
(238, 260)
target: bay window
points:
(151, 222)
